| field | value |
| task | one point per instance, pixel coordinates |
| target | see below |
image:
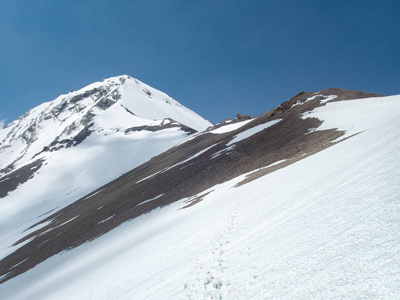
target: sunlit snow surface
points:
(230, 127)
(75, 172)
(113, 148)
(324, 227)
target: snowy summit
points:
(115, 104)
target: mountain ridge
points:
(287, 143)
(231, 171)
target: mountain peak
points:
(227, 206)
(117, 104)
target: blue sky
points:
(218, 58)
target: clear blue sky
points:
(216, 57)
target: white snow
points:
(70, 220)
(325, 227)
(197, 154)
(225, 150)
(179, 163)
(230, 127)
(16, 265)
(307, 100)
(249, 132)
(152, 199)
(158, 106)
(371, 113)
(94, 193)
(105, 220)
(326, 98)
(268, 166)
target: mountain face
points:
(111, 119)
(300, 202)
(64, 149)
(114, 105)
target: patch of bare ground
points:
(343, 94)
(12, 180)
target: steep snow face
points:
(326, 226)
(153, 104)
(116, 104)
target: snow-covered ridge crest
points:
(113, 105)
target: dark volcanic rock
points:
(82, 135)
(105, 103)
(164, 125)
(243, 117)
(59, 108)
(66, 143)
(343, 94)
(98, 91)
(87, 119)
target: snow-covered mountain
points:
(64, 149)
(117, 104)
(301, 202)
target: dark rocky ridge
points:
(165, 174)
(167, 123)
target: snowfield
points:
(327, 226)
(114, 147)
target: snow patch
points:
(252, 131)
(225, 150)
(354, 116)
(5, 179)
(90, 196)
(177, 164)
(66, 222)
(16, 265)
(230, 127)
(327, 98)
(152, 199)
(105, 220)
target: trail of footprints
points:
(211, 282)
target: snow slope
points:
(324, 227)
(85, 139)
